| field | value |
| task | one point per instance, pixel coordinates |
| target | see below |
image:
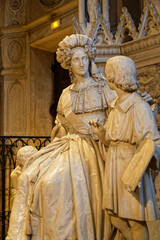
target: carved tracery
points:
(97, 24)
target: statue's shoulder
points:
(66, 90)
(63, 98)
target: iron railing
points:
(9, 146)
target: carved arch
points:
(15, 107)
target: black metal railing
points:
(9, 146)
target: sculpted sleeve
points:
(145, 126)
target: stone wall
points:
(26, 79)
(41, 89)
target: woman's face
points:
(80, 62)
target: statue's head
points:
(73, 45)
(121, 71)
(69, 43)
(24, 153)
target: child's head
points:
(121, 71)
(24, 153)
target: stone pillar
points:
(105, 10)
(13, 69)
(82, 13)
(14, 82)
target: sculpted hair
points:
(24, 153)
(64, 52)
(121, 70)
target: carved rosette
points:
(15, 5)
(14, 51)
(51, 3)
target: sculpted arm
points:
(146, 128)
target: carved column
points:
(82, 13)
(13, 68)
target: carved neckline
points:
(100, 83)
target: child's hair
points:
(121, 70)
(24, 153)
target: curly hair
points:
(121, 70)
(64, 52)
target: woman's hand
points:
(146, 97)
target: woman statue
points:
(60, 190)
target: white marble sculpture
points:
(23, 154)
(130, 125)
(59, 193)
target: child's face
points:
(111, 85)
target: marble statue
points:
(59, 193)
(130, 134)
(23, 154)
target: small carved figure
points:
(133, 142)
(24, 153)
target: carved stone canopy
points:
(99, 29)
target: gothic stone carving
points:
(126, 30)
(15, 5)
(14, 23)
(14, 51)
(149, 24)
(141, 44)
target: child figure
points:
(129, 122)
(24, 153)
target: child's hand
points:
(96, 125)
(97, 128)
